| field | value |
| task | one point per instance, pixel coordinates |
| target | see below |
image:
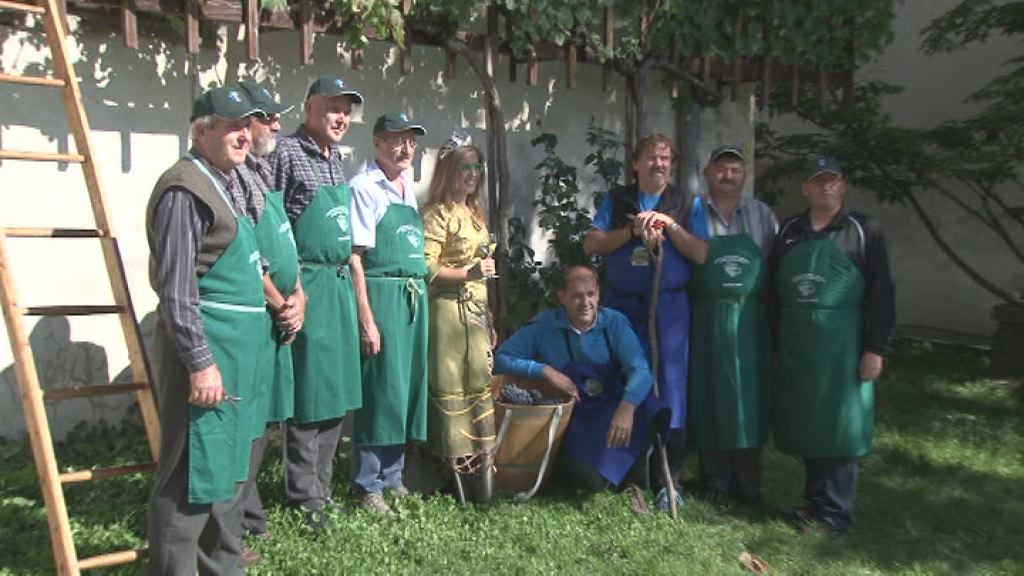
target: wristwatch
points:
(673, 226)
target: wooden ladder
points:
(33, 395)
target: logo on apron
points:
(640, 257)
(411, 234)
(286, 228)
(732, 265)
(593, 387)
(807, 286)
(257, 263)
(340, 215)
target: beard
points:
(264, 146)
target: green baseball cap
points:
(227, 102)
(262, 98)
(396, 122)
(818, 164)
(332, 86)
(727, 150)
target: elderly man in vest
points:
(205, 267)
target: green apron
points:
(730, 358)
(326, 350)
(277, 245)
(823, 409)
(395, 380)
(233, 309)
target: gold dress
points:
(460, 419)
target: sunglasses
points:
(266, 118)
(467, 167)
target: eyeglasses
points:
(399, 141)
(467, 167)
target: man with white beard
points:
(286, 302)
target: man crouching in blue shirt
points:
(591, 354)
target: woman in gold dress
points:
(460, 424)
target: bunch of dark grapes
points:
(514, 394)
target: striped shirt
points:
(181, 222)
(298, 168)
(752, 217)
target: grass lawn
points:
(942, 493)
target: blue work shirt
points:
(546, 339)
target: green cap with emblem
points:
(818, 164)
(262, 98)
(227, 102)
(396, 122)
(332, 86)
(727, 150)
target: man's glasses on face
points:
(467, 167)
(399, 141)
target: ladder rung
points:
(40, 156)
(89, 391)
(100, 473)
(24, 7)
(71, 310)
(54, 233)
(32, 80)
(111, 559)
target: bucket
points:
(527, 446)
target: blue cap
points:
(818, 164)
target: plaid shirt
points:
(251, 179)
(298, 168)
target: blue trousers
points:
(830, 488)
(377, 468)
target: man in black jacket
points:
(836, 316)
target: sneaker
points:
(662, 499)
(374, 502)
(400, 492)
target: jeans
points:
(377, 468)
(830, 489)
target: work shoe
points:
(249, 558)
(317, 520)
(373, 502)
(637, 500)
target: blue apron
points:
(630, 273)
(601, 388)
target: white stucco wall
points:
(138, 105)
(931, 291)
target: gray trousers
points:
(732, 472)
(309, 451)
(184, 538)
(253, 519)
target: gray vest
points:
(184, 175)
